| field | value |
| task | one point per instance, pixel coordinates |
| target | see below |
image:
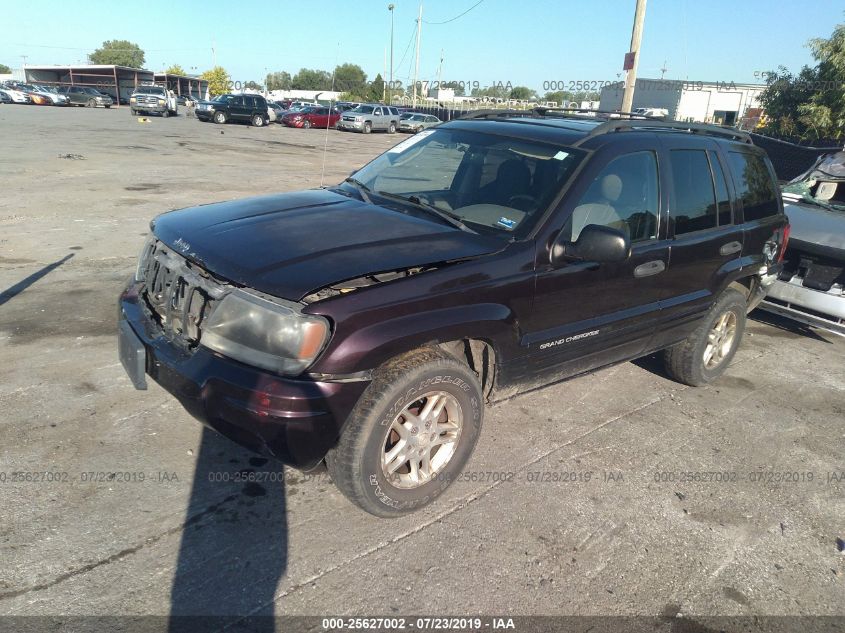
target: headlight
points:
(265, 334)
(141, 268)
(132, 99)
(161, 102)
(359, 119)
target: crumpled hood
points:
(288, 245)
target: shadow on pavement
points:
(234, 545)
(23, 284)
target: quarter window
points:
(754, 185)
(693, 207)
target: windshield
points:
(490, 183)
(362, 109)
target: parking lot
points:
(619, 492)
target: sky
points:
(535, 43)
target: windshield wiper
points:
(449, 218)
(361, 187)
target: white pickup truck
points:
(151, 98)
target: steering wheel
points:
(523, 197)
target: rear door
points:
(586, 315)
(705, 234)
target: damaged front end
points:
(365, 281)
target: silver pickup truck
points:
(149, 99)
(811, 287)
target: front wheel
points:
(165, 113)
(91, 104)
(306, 124)
(409, 435)
(368, 127)
(219, 117)
(707, 352)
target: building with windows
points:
(723, 103)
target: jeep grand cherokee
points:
(370, 323)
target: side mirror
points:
(600, 244)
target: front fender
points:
(358, 349)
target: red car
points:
(318, 116)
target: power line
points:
(460, 15)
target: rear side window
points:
(723, 201)
(693, 207)
(754, 185)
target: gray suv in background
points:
(86, 96)
(367, 117)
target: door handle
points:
(730, 248)
(650, 268)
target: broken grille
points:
(178, 293)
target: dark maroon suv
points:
(369, 324)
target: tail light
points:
(784, 241)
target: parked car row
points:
(15, 92)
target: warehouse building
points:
(723, 103)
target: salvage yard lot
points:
(620, 492)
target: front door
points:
(587, 314)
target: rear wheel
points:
(391, 129)
(410, 434)
(257, 120)
(708, 351)
(219, 117)
(306, 124)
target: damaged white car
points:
(811, 287)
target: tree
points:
(278, 81)
(175, 69)
(811, 105)
(376, 89)
(119, 53)
(307, 79)
(495, 91)
(4, 70)
(218, 80)
(522, 93)
(350, 78)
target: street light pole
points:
(417, 63)
(632, 59)
(390, 8)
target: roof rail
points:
(491, 113)
(543, 111)
(723, 131)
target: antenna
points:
(417, 64)
(329, 119)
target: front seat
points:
(601, 212)
(513, 178)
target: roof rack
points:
(492, 113)
(724, 131)
(575, 112)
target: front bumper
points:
(148, 107)
(350, 125)
(820, 309)
(294, 419)
(205, 115)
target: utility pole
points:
(632, 59)
(390, 8)
(213, 55)
(417, 64)
(383, 82)
(440, 70)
